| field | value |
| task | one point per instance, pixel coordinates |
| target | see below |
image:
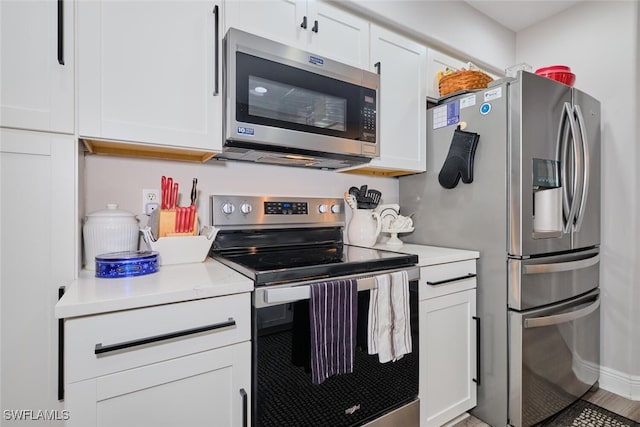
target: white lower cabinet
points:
(181, 364)
(204, 389)
(447, 342)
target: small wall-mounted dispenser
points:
(547, 199)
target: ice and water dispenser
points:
(547, 199)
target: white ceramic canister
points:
(109, 230)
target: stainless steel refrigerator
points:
(514, 172)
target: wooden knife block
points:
(167, 224)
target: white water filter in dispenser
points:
(547, 198)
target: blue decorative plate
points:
(114, 265)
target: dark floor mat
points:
(583, 413)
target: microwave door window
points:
(277, 95)
(287, 103)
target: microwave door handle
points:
(586, 167)
(537, 322)
(216, 51)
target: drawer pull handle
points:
(100, 349)
(454, 279)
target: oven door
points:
(280, 96)
(284, 394)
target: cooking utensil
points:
(374, 196)
(174, 196)
(168, 192)
(194, 192)
(351, 200)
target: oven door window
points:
(284, 394)
(273, 94)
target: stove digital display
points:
(286, 208)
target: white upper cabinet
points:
(401, 64)
(36, 74)
(436, 62)
(312, 25)
(150, 72)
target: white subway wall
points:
(599, 41)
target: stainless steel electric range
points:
(285, 244)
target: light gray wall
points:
(452, 27)
(599, 41)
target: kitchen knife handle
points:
(100, 349)
(315, 26)
(245, 407)
(478, 352)
(61, 291)
(304, 23)
(378, 67)
(216, 51)
(61, 32)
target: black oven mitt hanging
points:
(459, 161)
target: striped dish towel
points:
(333, 311)
(389, 332)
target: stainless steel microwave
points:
(290, 107)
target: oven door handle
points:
(302, 292)
(273, 296)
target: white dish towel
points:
(389, 331)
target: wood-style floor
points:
(604, 399)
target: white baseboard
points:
(622, 384)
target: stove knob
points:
(228, 208)
(335, 209)
(246, 208)
(322, 208)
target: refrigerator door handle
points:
(557, 267)
(563, 155)
(537, 322)
(586, 171)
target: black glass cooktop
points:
(280, 265)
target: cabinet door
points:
(402, 101)
(279, 20)
(211, 388)
(337, 34)
(37, 255)
(37, 65)
(447, 357)
(438, 61)
(148, 72)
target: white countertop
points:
(183, 282)
(172, 283)
(431, 255)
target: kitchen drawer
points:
(112, 342)
(443, 279)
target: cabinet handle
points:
(378, 67)
(454, 279)
(61, 32)
(245, 406)
(304, 23)
(216, 59)
(478, 353)
(127, 344)
(61, 291)
(315, 26)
